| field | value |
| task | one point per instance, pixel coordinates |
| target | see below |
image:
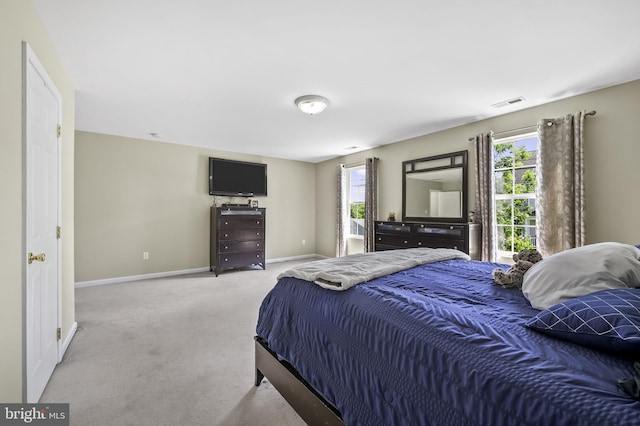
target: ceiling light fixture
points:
(312, 104)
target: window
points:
(355, 200)
(515, 192)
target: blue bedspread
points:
(440, 344)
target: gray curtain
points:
(560, 204)
(370, 202)
(341, 213)
(485, 205)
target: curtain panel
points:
(485, 213)
(370, 202)
(341, 212)
(560, 201)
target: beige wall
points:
(19, 22)
(134, 195)
(612, 157)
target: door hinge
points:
(59, 333)
(59, 130)
(58, 232)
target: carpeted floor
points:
(170, 351)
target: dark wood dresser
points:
(237, 237)
(461, 236)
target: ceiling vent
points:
(509, 102)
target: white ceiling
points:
(224, 74)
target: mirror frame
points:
(410, 166)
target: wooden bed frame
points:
(309, 405)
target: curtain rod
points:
(535, 126)
(528, 127)
(359, 163)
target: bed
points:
(439, 343)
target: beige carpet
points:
(170, 351)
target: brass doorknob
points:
(38, 257)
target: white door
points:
(42, 103)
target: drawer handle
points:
(455, 247)
(405, 242)
(257, 255)
(419, 243)
(226, 235)
(258, 234)
(258, 245)
(226, 247)
(451, 227)
(226, 223)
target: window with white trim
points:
(355, 200)
(515, 192)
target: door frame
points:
(31, 60)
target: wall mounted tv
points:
(237, 178)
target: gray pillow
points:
(580, 271)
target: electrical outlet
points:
(304, 242)
(145, 255)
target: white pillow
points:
(580, 271)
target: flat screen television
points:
(237, 178)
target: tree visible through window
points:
(356, 194)
(515, 192)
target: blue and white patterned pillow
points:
(607, 320)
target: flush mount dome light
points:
(312, 104)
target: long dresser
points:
(237, 237)
(461, 236)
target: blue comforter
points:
(440, 344)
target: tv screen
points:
(237, 178)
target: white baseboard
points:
(117, 280)
(67, 340)
(140, 277)
(285, 259)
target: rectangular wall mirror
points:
(434, 189)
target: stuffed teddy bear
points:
(513, 276)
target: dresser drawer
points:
(395, 228)
(433, 242)
(231, 222)
(398, 241)
(442, 231)
(240, 234)
(232, 260)
(243, 246)
(382, 247)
